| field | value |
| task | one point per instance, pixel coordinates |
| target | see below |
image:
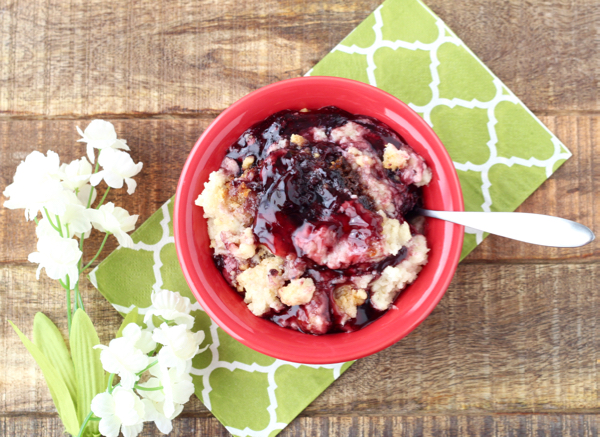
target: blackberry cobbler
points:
(307, 218)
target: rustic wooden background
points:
(513, 347)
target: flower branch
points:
(97, 253)
(63, 194)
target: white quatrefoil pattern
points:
(501, 151)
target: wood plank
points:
(83, 58)
(567, 425)
(538, 48)
(434, 425)
(504, 339)
(93, 57)
(163, 146)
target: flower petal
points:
(96, 178)
(109, 426)
(163, 424)
(103, 405)
(131, 185)
(124, 239)
(113, 180)
(132, 430)
(90, 149)
(182, 391)
(120, 144)
(133, 332)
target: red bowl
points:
(226, 307)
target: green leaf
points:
(88, 368)
(58, 389)
(131, 317)
(49, 340)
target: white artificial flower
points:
(100, 134)
(84, 195)
(176, 387)
(155, 413)
(117, 167)
(45, 229)
(170, 306)
(115, 220)
(122, 410)
(76, 174)
(74, 220)
(140, 338)
(59, 256)
(123, 358)
(37, 165)
(36, 185)
(77, 219)
(179, 345)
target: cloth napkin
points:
(501, 151)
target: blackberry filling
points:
(307, 218)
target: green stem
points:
(36, 220)
(85, 422)
(75, 300)
(147, 367)
(103, 197)
(75, 305)
(67, 228)
(67, 287)
(139, 387)
(58, 225)
(109, 386)
(78, 296)
(97, 253)
(168, 322)
(89, 202)
(50, 221)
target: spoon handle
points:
(544, 230)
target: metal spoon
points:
(544, 230)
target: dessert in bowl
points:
(307, 217)
(226, 306)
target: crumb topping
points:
(348, 299)
(297, 292)
(307, 218)
(261, 284)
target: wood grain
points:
(504, 339)
(498, 425)
(184, 57)
(512, 348)
(163, 146)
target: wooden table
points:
(513, 347)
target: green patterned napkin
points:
(250, 393)
(501, 151)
